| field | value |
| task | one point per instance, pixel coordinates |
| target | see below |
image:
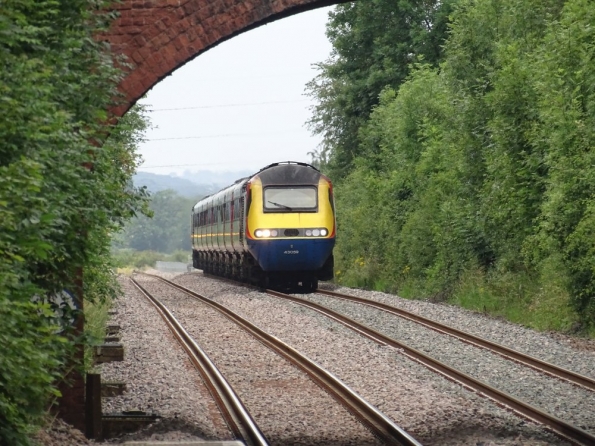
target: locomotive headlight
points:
(308, 232)
(323, 232)
(316, 232)
(266, 233)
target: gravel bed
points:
(159, 377)
(433, 409)
(572, 353)
(287, 406)
(569, 402)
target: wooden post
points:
(93, 406)
(71, 405)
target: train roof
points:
(274, 175)
(288, 173)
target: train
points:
(274, 229)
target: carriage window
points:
(290, 199)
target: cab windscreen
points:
(290, 199)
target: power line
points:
(224, 135)
(226, 105)
(227, 163)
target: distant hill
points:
(189, 184)
(220, 179)
(183, 187)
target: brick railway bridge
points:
(159, 36)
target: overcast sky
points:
(240, 105)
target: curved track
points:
(563, 428)
(506, 352)
(236, 415)
(379, 424)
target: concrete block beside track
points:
(108, 353)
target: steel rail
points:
(509, 353)
(379, 423)
(561, 427)
(233, 410)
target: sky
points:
(241, 105)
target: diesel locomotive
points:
(274, 229)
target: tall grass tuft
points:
(519, 298)
(96, 318)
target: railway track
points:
(530, 361)
(233, 410)
(561, 427)
(379, 424)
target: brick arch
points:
(159, 36)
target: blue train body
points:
(275, 228)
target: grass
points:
(519, 298)
(129, 258)
(125, 271)
(96, 317)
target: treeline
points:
(168, 229)
(464, 164)
(65, 187)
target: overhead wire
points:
(226, 135)
(202, 80)
(246, 104)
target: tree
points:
(167, 230)
(374, 44)
(56, 214)
(564, 75)
(483, 164)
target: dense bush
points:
(63, 188)
(479, 172)
(167, 230)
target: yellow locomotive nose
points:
(279, 223)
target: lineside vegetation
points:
(65, 187)
(471, 178)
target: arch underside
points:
(159, 36)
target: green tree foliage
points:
(422, 195)
(28, 364)
(56, 211)
(167, 230)
(564, 78)
(374, 44)
(483, 166)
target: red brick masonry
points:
(158, 36)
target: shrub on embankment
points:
(473, 179)
(56, 213)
